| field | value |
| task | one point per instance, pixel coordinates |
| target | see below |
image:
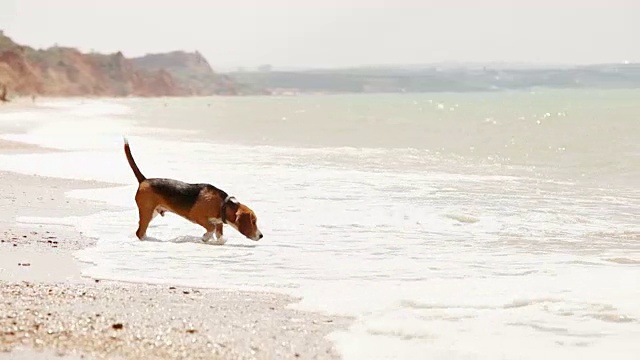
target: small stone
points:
(117, 326)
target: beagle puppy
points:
(202, 204)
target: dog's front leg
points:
(213, 226)
(219, 239)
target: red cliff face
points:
(18, 73)
(61, 71)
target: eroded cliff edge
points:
(64, 71)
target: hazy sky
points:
(331, 33)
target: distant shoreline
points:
(434, 79)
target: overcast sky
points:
(329, 33)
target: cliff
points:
(191, 70)
(62, 71)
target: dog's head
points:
(246, 222)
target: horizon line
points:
(232, 68)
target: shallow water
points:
(452, 226)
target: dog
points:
(202, 204)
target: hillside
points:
(191, 70)
(63, 71)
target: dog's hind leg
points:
(146, 214)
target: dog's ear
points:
(238, 215)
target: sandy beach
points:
(48, 309)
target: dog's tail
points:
(132, 163)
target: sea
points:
(489, 225)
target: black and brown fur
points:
(203, 204)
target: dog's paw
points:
(207, 236)
(220, 241)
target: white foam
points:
(86, 107)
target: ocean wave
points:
(529, 302)
(622, 235)
(402, 334)
(86, 107)
(466, 219)
(412, 304)
(624, 261)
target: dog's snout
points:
(257, 236)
